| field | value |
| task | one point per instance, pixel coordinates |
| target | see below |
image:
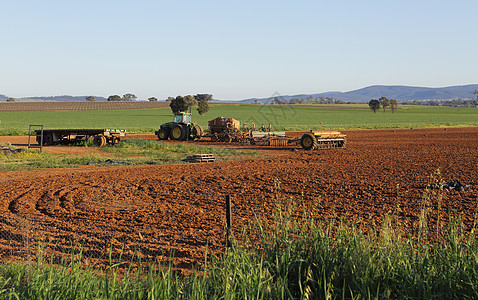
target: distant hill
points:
(398, 92)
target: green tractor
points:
(181, 129)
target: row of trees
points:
(126, 97)
(308, 100)
(383, 102)
(473, 103)
(184, 103)
(449, 103)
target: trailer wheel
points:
(308, 141)
(178, 133)
(99, 140)
(48, 139)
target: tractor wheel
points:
(308, 141)
(197, 132)
(163, 134)
(214, 138)
(99, 141)
(178, 133)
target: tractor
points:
(181, 129)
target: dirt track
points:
(180, 207)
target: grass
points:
(288, 256)
(141, 151)
(128, 152)
(281, 118)
(34, 159)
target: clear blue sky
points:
(233, 49)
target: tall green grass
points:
(34, 159)
(141, 151)
(128, 152)
(290, 255)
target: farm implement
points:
(318, 139)
(229, 130)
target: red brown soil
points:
(180, 207)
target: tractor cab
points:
(182, 117)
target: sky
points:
(233, 49)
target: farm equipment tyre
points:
(197, 132)
(99, 141)
(48, 140)
(308, 141)
(227, 138)
(178, 133)
(163, 134)
(116, 140)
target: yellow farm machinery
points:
(229, 130)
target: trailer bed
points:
(101, 137)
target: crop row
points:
(56, 106)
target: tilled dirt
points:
(179, 208)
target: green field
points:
(281, 118)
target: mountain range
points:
(398, 92)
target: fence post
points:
(228, 222)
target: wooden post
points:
(228, 222)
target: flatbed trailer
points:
(100, 137)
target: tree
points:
(153, 99)
(476, 93)
(182, 104)
(91, 98)
(203, 97)
(11, 100)
(276, 100)
(393, 105)
(170, 99)
(114, 98)
(384, 102)
(374, 105)
(129, 97)
(190, 101)
(203, 105)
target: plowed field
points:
(180, 207)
